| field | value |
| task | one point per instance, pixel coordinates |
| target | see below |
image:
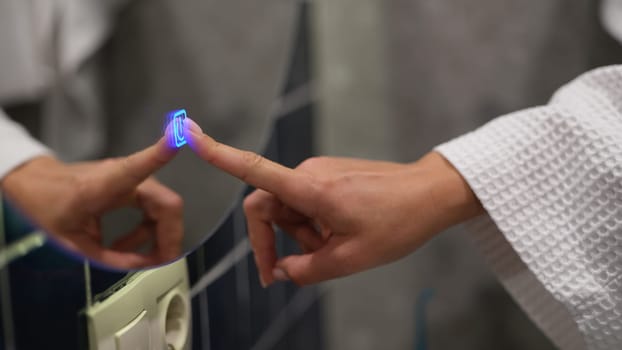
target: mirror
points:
(223, 61)
(51, 291)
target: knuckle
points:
(173, 202)
(327, 189)
(253, 204)
(252, 161)
(249, 203)
(331, 198)
(320, 195)
(327, 185)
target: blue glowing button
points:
(176, 120)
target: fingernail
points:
(279, 274)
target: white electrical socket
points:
(150, 311)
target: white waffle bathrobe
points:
(550, 179)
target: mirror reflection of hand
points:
(348, 215)
(68, 200)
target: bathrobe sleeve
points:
(550, 179)
(16, 145)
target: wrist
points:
(19, 178)
(453, 200)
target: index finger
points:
(250, 167)
(130, 171)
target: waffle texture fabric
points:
(550, 179)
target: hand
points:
(67, 201)
(348, 215)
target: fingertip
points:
(263, 283)
(168, 136)
(192, 126)
(167, 141)
(201, 143)
(178, 129)
(265, 275)
(280, 274)
(166, 147)
(288, 269)
(193, 132)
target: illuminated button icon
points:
(176, 120)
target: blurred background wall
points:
(398, 77)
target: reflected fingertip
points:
(263, 283)
(176, 125)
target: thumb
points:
(327, 263)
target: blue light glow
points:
(176, 122)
